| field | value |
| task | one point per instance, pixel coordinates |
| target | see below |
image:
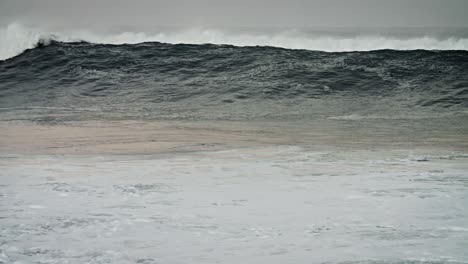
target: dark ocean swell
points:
(156, 80)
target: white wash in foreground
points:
(262, 205)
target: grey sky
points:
(237, 13)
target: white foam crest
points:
(15, 38)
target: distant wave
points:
(15, 38)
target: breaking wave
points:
(160, 80)
(15, 38)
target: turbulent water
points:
(157, 80)
(257, 148)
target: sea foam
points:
(15, 38)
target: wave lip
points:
(15, 38)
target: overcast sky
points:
(236, 13)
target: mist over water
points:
(17, 37)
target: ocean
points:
(242, 145)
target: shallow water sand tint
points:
(249, 198)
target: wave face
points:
(157, 80)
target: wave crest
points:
(15, 38)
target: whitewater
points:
(222, 192)
(283, 146)
(15, 38)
